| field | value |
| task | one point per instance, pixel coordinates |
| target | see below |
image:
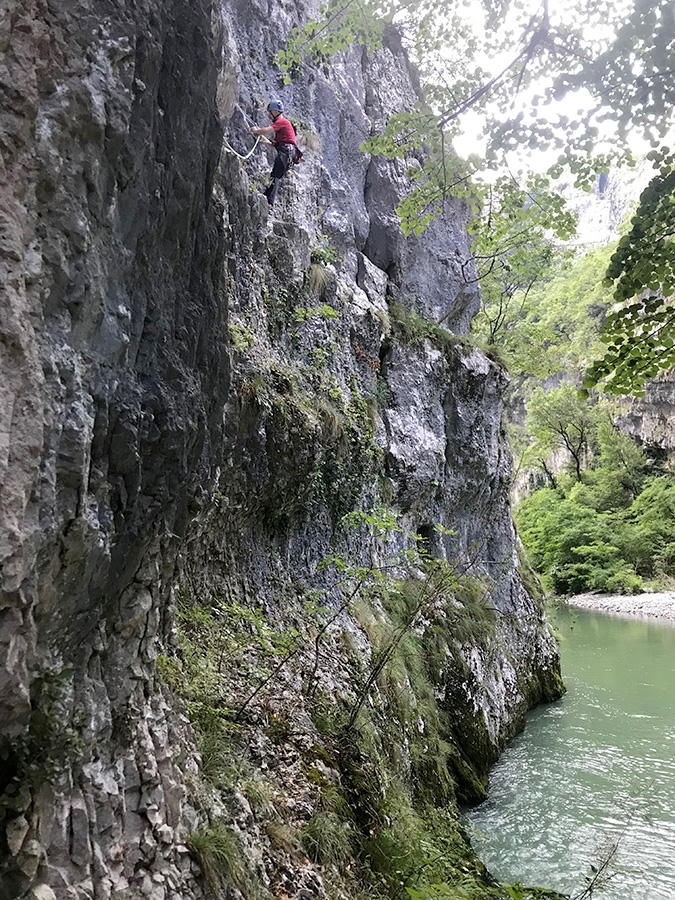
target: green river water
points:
(597, 766)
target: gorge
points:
(264, 620)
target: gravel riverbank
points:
(656, 606)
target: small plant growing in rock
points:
(220, 856)
(221, 764)
(260, 795)
(170, 672)
(319, 279)
(327, 839)
(242, 337)
(325, 311)
(284, 837)
(324, 255)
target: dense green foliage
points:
(604, 521)
(611, 530)
(640, 333)
(550, 324)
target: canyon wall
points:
(194, 395)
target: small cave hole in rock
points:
(385, 349)
(425, 539)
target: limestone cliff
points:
(192, 398)
(649, 419)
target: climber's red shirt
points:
(283, 131)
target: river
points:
(596, 767)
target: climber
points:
(285, 143)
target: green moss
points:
(411, 328)
(316, 751)
(320, 444)
(550, 686)
(170, 672)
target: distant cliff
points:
(193, 397)
(650, 420)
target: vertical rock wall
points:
(113, 382)
(137, 431)
(649, 419)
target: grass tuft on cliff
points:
(220, 855)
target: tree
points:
(640, 333)
(513, 249)
(560, 419)
(620, 457)
(550, 324)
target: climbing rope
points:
(230, 149)
(248, 118)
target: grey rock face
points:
(111, 397)
(649, 419)
(129, 413)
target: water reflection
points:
(597, 766)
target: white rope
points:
(248, 118)
(229, 149)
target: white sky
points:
(572, 106)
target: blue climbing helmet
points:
(275, 106)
